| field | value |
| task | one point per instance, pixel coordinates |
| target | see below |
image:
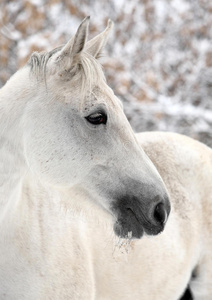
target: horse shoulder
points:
(179, 158)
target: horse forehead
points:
(97, 95)
(103, 96)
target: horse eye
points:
(97, 118)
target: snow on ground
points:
(158, 60)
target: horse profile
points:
(79, 197)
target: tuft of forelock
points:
(91, 73)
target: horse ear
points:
(80, 37)
(95, 46)
(71, 51)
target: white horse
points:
(79, 197)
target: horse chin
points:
(133, 231)
(128, 231)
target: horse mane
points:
(38, 61)
(87, 72)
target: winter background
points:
(158, 59)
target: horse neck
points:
(13, 98)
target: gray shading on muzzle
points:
(134, 215)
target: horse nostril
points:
(160, 214)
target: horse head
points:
(76, 134)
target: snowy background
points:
(158, 59)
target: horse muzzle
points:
(134, 217)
